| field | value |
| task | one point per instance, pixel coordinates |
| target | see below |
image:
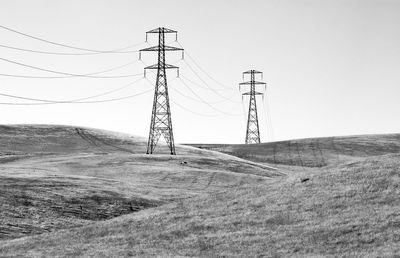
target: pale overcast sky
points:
(332, 67)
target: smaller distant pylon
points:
(253, 129)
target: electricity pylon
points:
(161, 123)
(253, 129)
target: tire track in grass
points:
(315, 156)
(291, 163)
(335, 150)
(32, 168)
(194, 181)
(81, 134)
(95, 138)
(320, 153)
(168, 175)
(210, 180)
(299, 155)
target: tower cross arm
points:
(167, 66)
(165, 30)
(251, 71)
(165, 48)
(250, 82)
(255, 93)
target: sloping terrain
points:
(54, 177)
(313, 152)
(346, 206)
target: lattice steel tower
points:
(161, 123)
(253, 129)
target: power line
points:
(191, 111)
(267, 111)
(111, 91)
(189, 97)
(64, 45)
(207, 85)
(182, 107)
(114, 99)
(90, 75)
(76, 102)
(73, 100)
(199, 99)
(201, 69)
(213, 102)
(181, 77)
(208, 104)
(209, 88)
(244, 110)
(71, 54)
(201, 86)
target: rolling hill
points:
(332, 197)
(55, 177)
(313, 152)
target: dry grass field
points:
(78, 192)
(313, 152)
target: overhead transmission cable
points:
(204, 71)
(195, 83)
(66, 75)
(208, 86)
(197, 100)
(75, 101)
(244, 111)
(200, 100)
(268, 118)
(181, 77)
(184, 78)
(72, 100)
(182, 107)
(65, 45)
(71, 54)
(191, 111)
(207, 103)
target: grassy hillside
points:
(351, 211)
(54, 177)
(313, 152)
(346, 207)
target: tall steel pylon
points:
(253, 129)
(161, 123)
